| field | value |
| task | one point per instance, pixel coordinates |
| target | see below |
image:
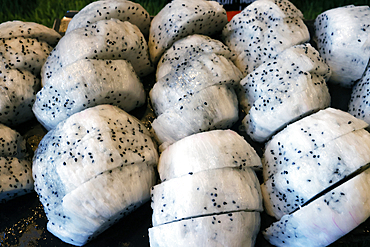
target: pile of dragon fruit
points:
(221, 89)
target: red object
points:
(230, 14)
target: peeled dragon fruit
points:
(15, 167)
(105, 39)
(313, 155)
(198, 93)
(262, 30)
(358, 105)
(18, 93)
(207, 150)
(342, 37)
(24, 47)
(192, 17)
(24, 53)
(283, 89)
(326, 219)
(225, 196)
(87, 83)
(93, 169)
(11, 29)
(189, 46)
(107, 9)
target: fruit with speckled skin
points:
(179, 19)
(107, 9)
(343, 38)
(91, 170)
(262, 30)
(87, 83)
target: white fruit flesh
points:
(214, 107)
(86, 158)
(283, 89)
(187, 47)
(263, 30)
(17, 95)
(15, 178)
(105, 39)
(300, 179)
(86, 83)
(100, 202)
(342, 37)
(194, 17)
(24, 53)
(230, 229)
(106, 9)
(11, 29)
(326, 219)
(207, 150)
(12, 143)
(359, 105)
(204, 193)
(197, 73)
(309, 133)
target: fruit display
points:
(188, 128)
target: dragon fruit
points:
(358, 105)
(283, 89)
(18, 92)
(285, 191)
(198, 94)
(223, 189)
(218, 194)
(327, 218)
(15, 167)
(12, 144)
(179, 19)
(262, 30)
(186, 48)
(193, 76)
(12, 29)
(105, 39)
(15, 178)
(215, 107)
(335, 152)
(24, 53)
(229, 229)
(91, 170)
(310, 133)
(107, 9)
(86, 83)
(207, 150)
(342, 37)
